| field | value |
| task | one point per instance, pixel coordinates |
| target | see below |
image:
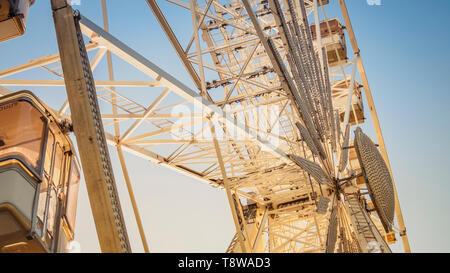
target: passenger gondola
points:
(39, 178)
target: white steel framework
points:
(269, 121)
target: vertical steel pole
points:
(375, 120)
(88, 129)
(133, 199)
(117, 135)
(234, 211)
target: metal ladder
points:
(233, 244)
(366, 230)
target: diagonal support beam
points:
(47, 60)
(103, 38)
(174, 41)
(149, 111)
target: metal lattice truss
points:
(258, 72)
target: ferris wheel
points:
(275, 120)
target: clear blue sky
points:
(404, 46)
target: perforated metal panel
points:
(343, 160)
(312, 168)
(322, 205)
(378, 178)
(307, 138)
(332, 231)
